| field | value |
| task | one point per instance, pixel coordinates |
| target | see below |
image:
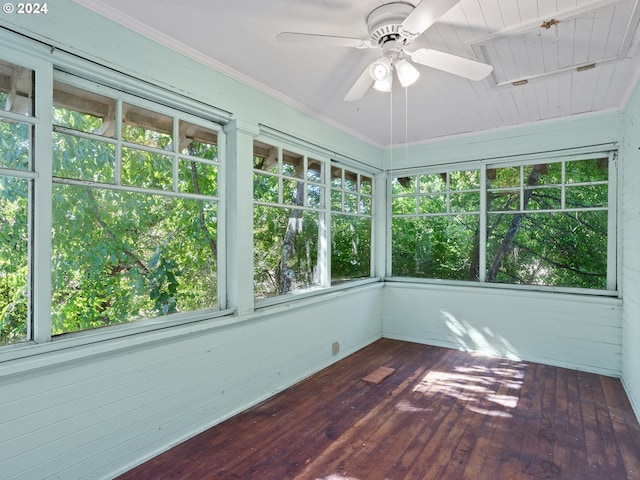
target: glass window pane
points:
(503, 200)
(146, 169)
(336, 200)
(366, 186)
(543, 198)
(336, 177)
(464, 180)
(83, 159)
(582, 196)
(436, 182)
(464, 202)
(365, 205)
(14, 255)
(292, 192)
(558, 249)
(119, 256)
(350, 181)
(403, 205)
(543, 174)
(350, 202)
(292, 164)
(433, 204)
(197, 177)
(442, 247)
(314, 195)
(198, 141)
(83, 111)
(314, 170)
(16, 89)
(503, 177)
(15, 145)
(403, 185)
(350, 248)
(265, 157)
(146, 127)
(592, 170)
(285, 250)
(265, 188)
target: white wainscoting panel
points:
(572, 331)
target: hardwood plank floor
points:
(442, 414)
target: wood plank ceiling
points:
(551, 59)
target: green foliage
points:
(164, 283)
(434, 247)
(285, 250)
(538, 232)
(15, 146)
(350, 247)
(14, 252)
(118, 256)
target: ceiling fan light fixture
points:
(380, 69)
(407, 73)
(385, 84)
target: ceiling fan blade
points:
(329, 40)
(426, 14)
(447, 62)
(359, 88)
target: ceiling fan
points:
(392, 27)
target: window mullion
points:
(40, 226)
(482, 261)
(324, 225)
(612, 238)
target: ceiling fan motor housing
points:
(384, 23)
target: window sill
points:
(291, 298)
(72, 346)
(523, 289)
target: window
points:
(351, 215)
(310, 218)
(289, 191)
(546, 223)
(16, 184)
(134, 211)
(435, 223)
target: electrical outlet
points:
(335, 348)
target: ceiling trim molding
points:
(145, 30)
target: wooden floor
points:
(442, 414)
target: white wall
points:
(551, 328)
(631, 252)
(574, 132)
(100, 415)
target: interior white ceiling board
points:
(239, 39)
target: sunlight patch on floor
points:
(484, 390)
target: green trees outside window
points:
(16, 183)
(544, 224)
(351, 217)
(134, 212)
(304, 214)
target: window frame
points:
(98, 79)
(120, 185)
(285, 142)
(609, 151)
(358, 214)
